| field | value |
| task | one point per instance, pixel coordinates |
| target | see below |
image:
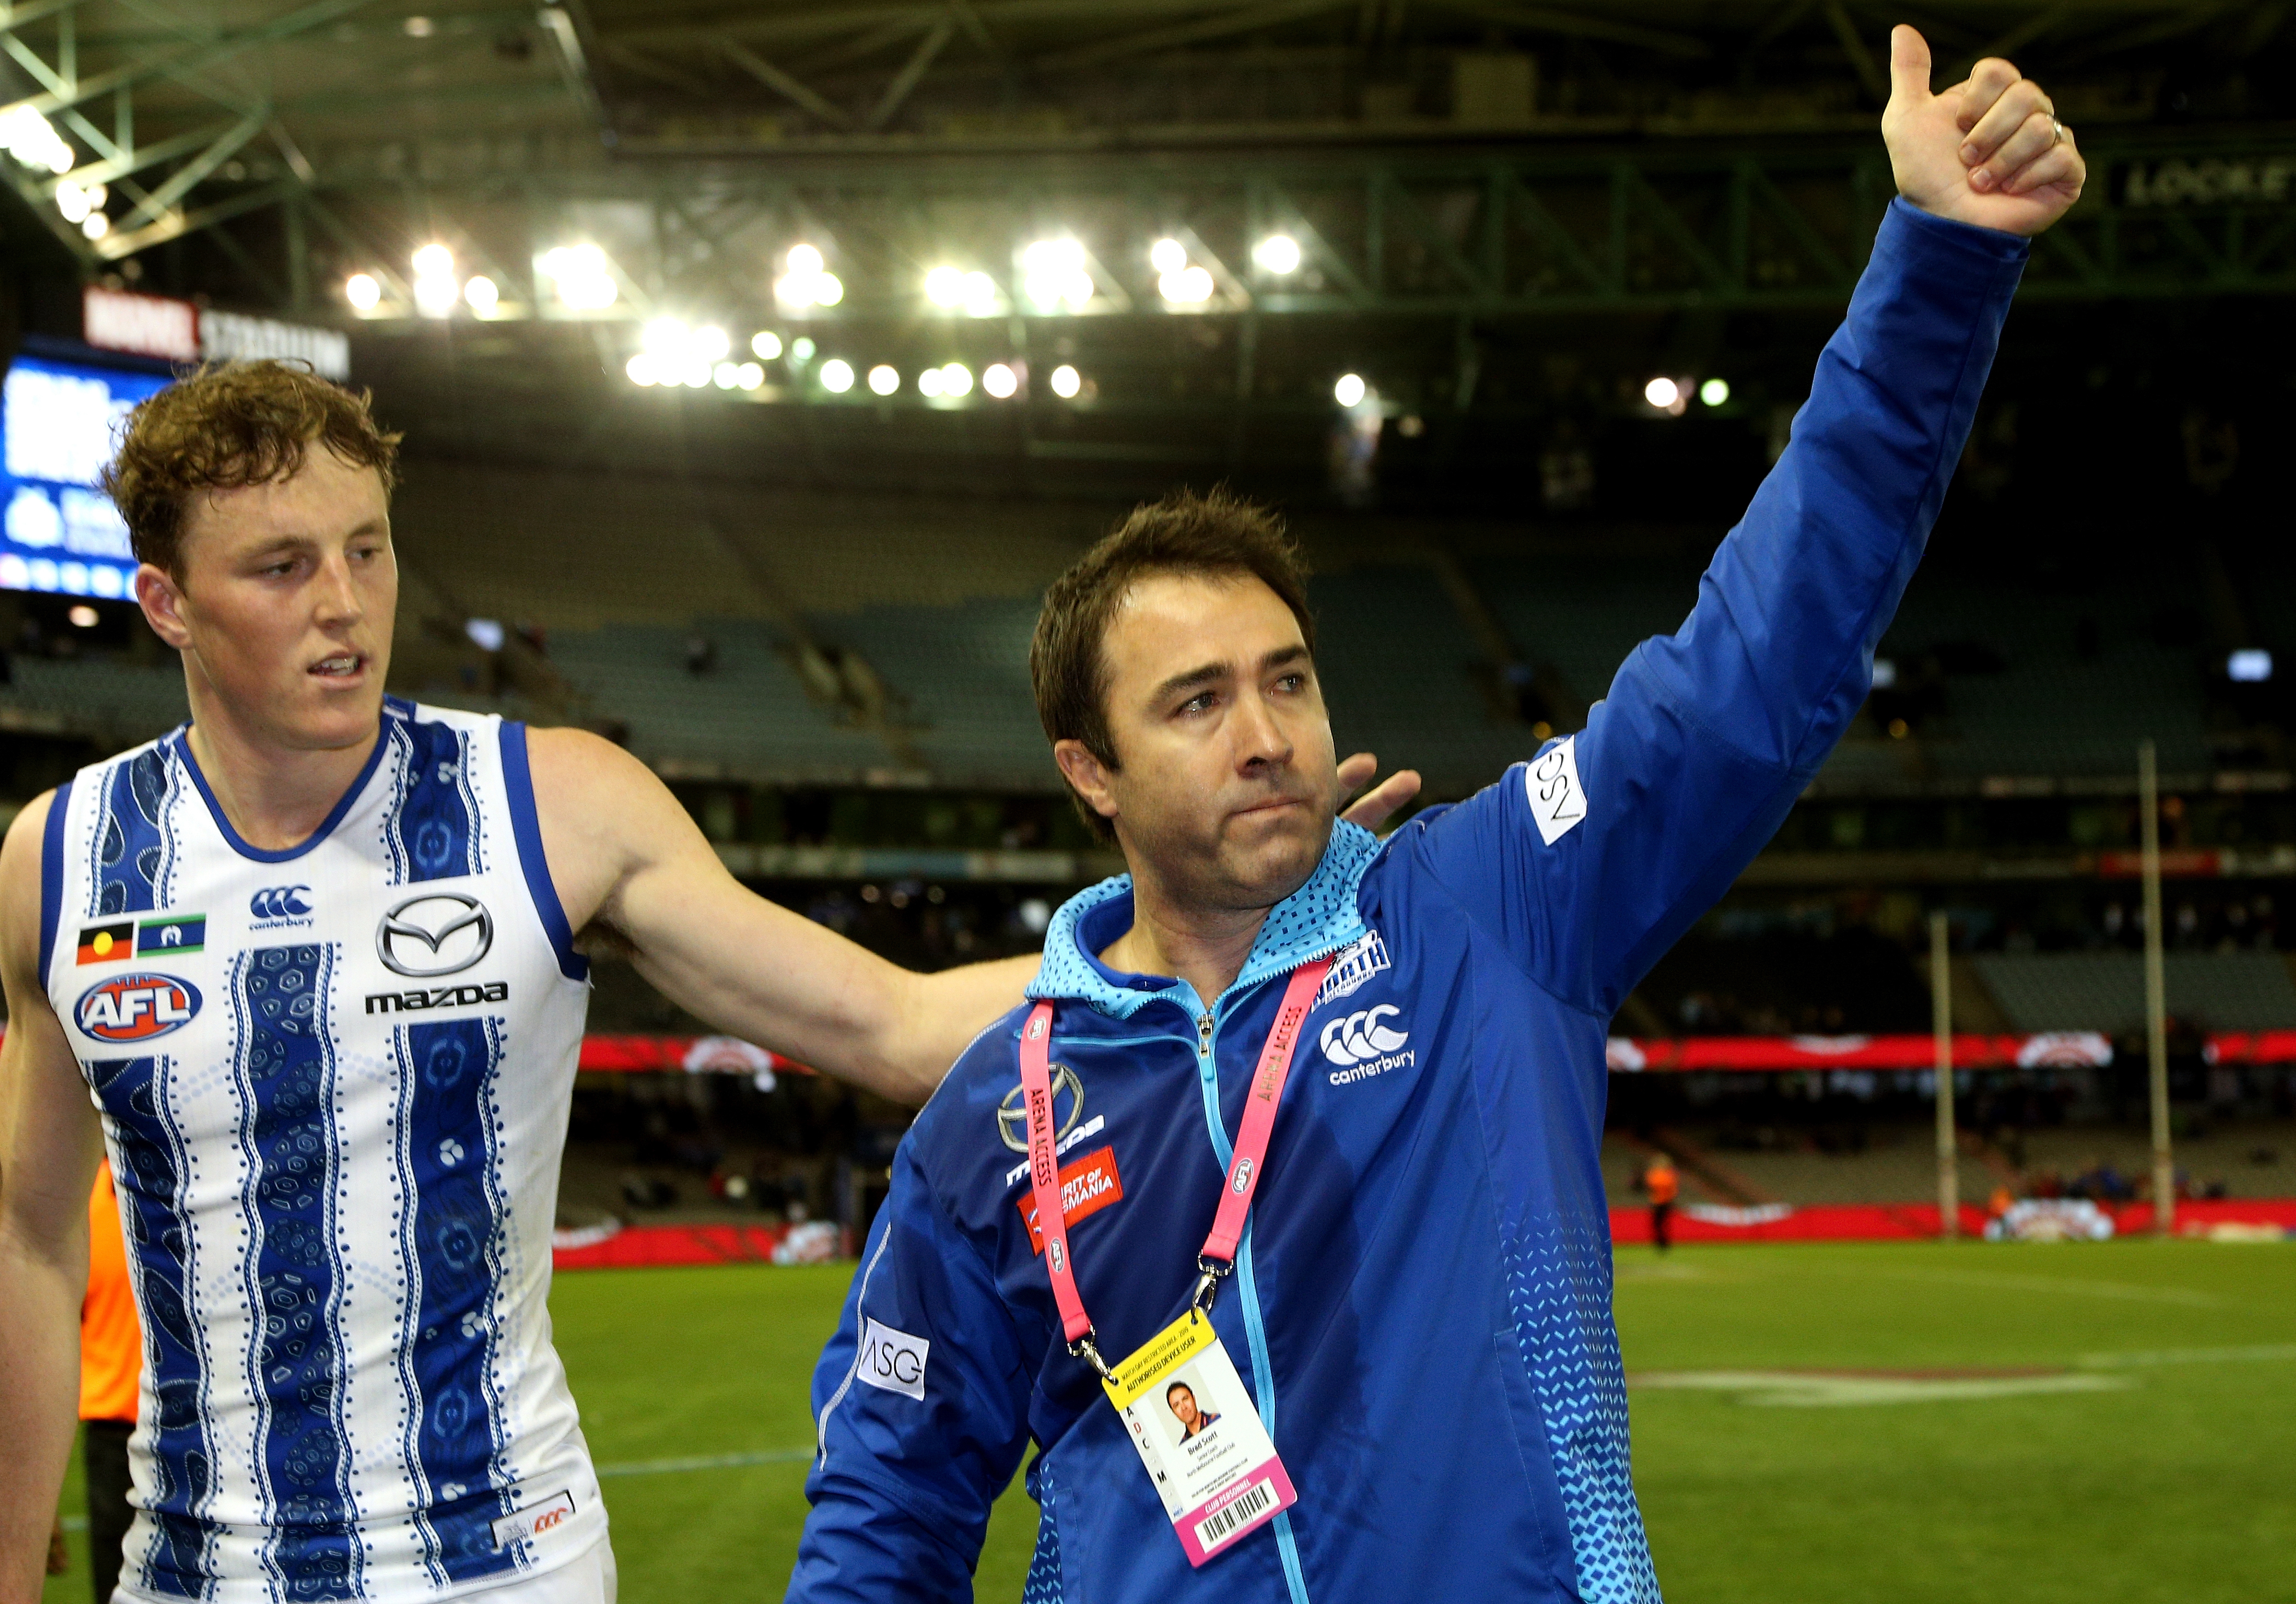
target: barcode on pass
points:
(1215, 1529)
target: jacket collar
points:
(1318, 919)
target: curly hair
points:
(227, 425)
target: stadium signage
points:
(2209, 182)
(177, 330)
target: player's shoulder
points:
(560, 756)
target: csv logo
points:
(136, 1008)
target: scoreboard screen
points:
(60, 424)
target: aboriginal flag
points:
(101, 943)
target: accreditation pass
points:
(1188, 1414)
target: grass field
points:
(1835, 1424)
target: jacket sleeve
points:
(1591, 860)
(921, 1402)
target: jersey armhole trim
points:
(518, 781)
(51, 877)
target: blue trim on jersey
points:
(282, 995)
(128, 846)
(454, 1220)
(178, 1563)
(518, 785)
(431, 829)
(52, 877)
(182, 743)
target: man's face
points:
(1184, 1404)
(285, 603)
(1226, 783)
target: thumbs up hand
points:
(1990, 150)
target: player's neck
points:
(274, 797)
(1204, 946)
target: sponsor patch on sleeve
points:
(1558, 802)
(893, 1360)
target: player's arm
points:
(50, 1144)
(921, 1406)
(624, 854)
(1591, 861)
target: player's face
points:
(285, 603)
(1227, 782)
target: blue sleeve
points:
(922, 1400)
(1589, 862)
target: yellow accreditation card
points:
(1190, 1417)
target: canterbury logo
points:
(1361, 1036)
(279, 901)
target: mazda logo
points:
(1013, 1116)
(437, 933)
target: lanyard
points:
(1218, 1253)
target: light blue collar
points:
(1320, 918)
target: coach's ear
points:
(1092, 778)
(163, 605)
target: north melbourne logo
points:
(437, 933)
(1364, 1044)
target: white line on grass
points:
(707, 1461)
(1802, 1389)
(2206, 1356)
(2078, 1285)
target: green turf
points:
(2171, 1485)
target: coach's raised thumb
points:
(1909, 66)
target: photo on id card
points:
(1198, 1434)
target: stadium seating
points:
(2105, 991)
(120, 702)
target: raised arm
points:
(50, 1144)
(1591, 861)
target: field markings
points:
(2264, 1353)
(1820, 1390)
(707, 1461)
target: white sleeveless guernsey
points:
(335, 1082)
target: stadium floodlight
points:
(482, 294)
(435, 297)
(1714, 392)
(72, 202)
(802, 348)
(956, 379)
(363, 290)
(710, 340)
(1350, 390)
(1055, 277)
(84, 616)
(1278, 254)
(1662, 393)
(945, 287)
(94, 225)
(931, 382)
(662, 337)
(765, 345)
(1067, 382)
(1189, 286)
(1885, 673)
(726, 375)
(1000, 380)
(803, 260)
(884, 379)
(581, 277)
(751, 376)
(2249, 665)
(33, 140)
(805, 282)
(837, 375)
(642, 370)
(434, 261)
(1168, 256)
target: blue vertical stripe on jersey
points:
(455, 1223)
(280, 995)
(51, 877)
(128, 845)
(431, 830)
(178, 1564)
(526, 832)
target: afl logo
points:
(437, 933)
(136, 1008)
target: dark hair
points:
(227, 425)
(1216, 536)
(1178, 1387)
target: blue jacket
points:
(1423, 1299)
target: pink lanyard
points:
(1219, 1254)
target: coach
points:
(1393, 1053)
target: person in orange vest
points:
(1663, 1185)
(110, 1372)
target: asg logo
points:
(280, 902)
(437, 933)
(1358, 1037)
(136, 1008)
(892, 1360)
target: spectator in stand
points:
(1664, 1186)
(111, 1368)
